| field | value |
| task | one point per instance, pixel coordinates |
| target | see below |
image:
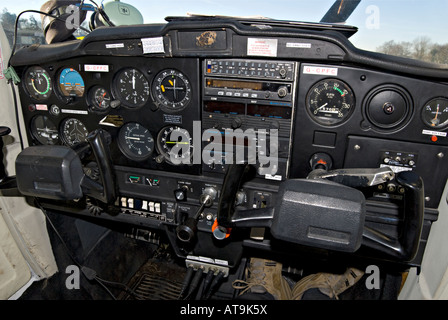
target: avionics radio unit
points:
(249, 79)
(241, 94)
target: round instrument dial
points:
(71, 83)
(131, 88)
(435, 113)
(175, 145)
(330, 102)
(44, 130)
(135, 141)
(99, 98)
(172, 90)
(73, 131)
(38, 83)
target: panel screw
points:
(357, 147)
(440, 155)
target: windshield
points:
(409, 28)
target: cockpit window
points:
(408, 28)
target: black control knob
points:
(181, 193)
(283, 73)
(282, 92)
(237, 123)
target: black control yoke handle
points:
(404, 248)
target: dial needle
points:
(323, 106)
(434, 121)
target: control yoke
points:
(56, 172)
(327, 211)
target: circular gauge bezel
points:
(327, 119)
(92, 101)
(62, 91)
(36, 132)
(162, 94)
(164, 150)
(143, 89)
(129, 149)
(33, 92)
(427, 122)
(66, 136)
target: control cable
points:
(194, 283)
(215, 283)
(186, 282)
(207, 282)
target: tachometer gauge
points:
(131, 88)
(44, 130)
(73, 131)
(99, 98)
(38, 83)
(135, 141)
(175, 145)
(71, 84)
(435, 113)
(330, 102)
(171, 90)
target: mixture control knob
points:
(282, 92)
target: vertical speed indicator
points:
(330, 102)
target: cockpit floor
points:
(156, 280)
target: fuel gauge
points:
(435, 113)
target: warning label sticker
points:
(262, 47)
